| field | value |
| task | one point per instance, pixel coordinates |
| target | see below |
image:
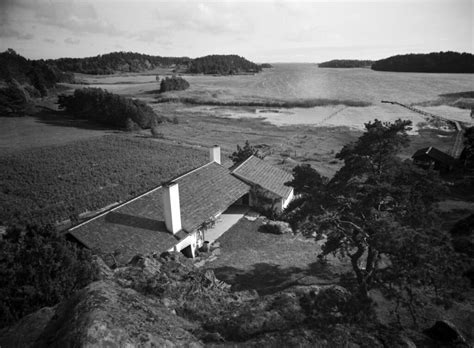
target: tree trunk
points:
(359, 273)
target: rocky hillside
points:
(167, 302)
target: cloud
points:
(49, 40)
(77, 17)
(151, 36)
(211, 18)
(72, 41)
(7, 32)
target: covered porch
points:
(225, 221)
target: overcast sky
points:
(263, 31)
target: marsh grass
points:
(294, 103)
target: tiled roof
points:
(434, 154)
(138, 226)
(207, 192)
(271, 178)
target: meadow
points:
(53, 183)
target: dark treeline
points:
(223, 65)
(174, 83)
(109, 109)
(346, 63)
(116, 62)
(25, 79)
(441, 62)
(36, 73)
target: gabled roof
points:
(256, 171)
(207, 192)
(137, 226)
(435, 154)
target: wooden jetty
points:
(457, 147)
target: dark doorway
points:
(188, 251)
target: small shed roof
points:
(259, 172)
(434, 154)
(137, 226)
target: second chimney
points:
(215, 154)
(172, 209)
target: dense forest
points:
(346, 63)
(438, 62)
(116, 62)
(223, 65)
(109, 109)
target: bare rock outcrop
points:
(164, 301)
(105, 315)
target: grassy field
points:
(52, 183)
(47, 127)
(252, 259)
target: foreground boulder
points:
(446, 332)
(106, 315)
(25, 332)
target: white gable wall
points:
(286, 201)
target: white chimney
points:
(172, 208)
(215, 154)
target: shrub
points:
(14, 99)
(38, 268)
(108, 108)
(173, 83)
(242, 153)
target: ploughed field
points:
(54, 183)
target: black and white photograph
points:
(229, 173)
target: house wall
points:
(190, 240)
(263, 199)
(285, 202)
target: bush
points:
(108, 108)
(173, 83)
(14, 99)
(38, 268)
(242, 153)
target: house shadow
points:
(268, 278)
(61, 118)
(135, 221)
(263, 277)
